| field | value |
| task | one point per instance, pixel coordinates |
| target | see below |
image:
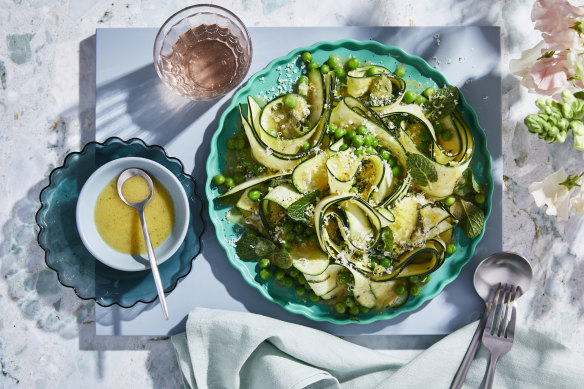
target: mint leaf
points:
(250, 247)
(421, 169)
(441, 103)
(387, 239)
(297, 210)
(471, 218)
(466, 185)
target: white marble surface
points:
(46, 111)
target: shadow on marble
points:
(32, 286)
(161, 364)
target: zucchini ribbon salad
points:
(349, 186)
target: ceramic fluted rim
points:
(54, 176)
(434, 287)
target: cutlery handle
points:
(458, 379)
(153, 265)
(491, 370)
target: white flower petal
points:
(550, 193)
(578, 202)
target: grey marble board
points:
(131, 101)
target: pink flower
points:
(555, 19)
(548, 76)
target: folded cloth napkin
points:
(224, 349)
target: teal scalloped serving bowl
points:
(279, 76)
(66, 254)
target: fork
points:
(499, 332)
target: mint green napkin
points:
(225, 349)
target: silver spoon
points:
(503, 267)
(124, 176)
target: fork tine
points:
(506, 301)
(491, 318)
(511, 328)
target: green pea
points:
(264, 263)
(313, 65)
(354, 310)
(449, 200)
(480, 198)
(415, 290)
(400, 289)
(350, 135)
(361, 130)
(358, 140)
(307, 57)
(313, 239)
(302, 280)
(424, 145)
(353, 63)
(397, 171)
(353, 189)
(280, 274)
(429, 92)
(229, 183)
(400, 71)
(291, 101)
(239, 144)
(340, 132)
(426, 279)
(287, 281)
(409, 97)
(331, 128)
(300, 290)
(451, 248)
(266, 274)
(254, 195)
(219, 179)
(340, 72)
(392, 161)
(286, 245)
(358, 152)
(386, 263)
(302, 80)
(370, 150)
(384, 154)
(438, 128)
(414, 280)
(375, 143)
(373, 264)
(334, 61)
(231, 144)
(325, 69)
(313, 296)
(368, 140)
(363, 309)
(372, 71)
(289, 236)
(294, 272)
(424, 135)
(340, 307)
(343, 147)
(446, 135)
(421, 100)
(306, 146)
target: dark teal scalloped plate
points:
(419, 75)
(64, 251)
